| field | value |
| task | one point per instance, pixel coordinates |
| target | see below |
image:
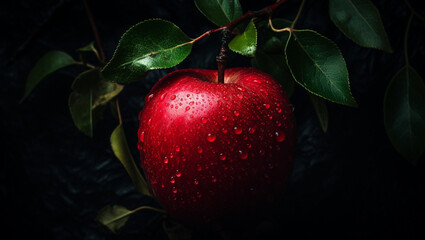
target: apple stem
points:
(222, 55)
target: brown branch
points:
(95, 32)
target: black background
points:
(346, 183)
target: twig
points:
(406, 37)
(95, 32)
(117, 104)
(298, 14)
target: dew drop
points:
(178, 173)
(199, 168)
(199, 149)
(222, 157)
(267, 105)
(198, 195)
(211, 137)
(149, 121)
(224, 118)
(140, 145)
(188, 95)
(204, 120)
(187, 108)
(195, 181)
(149, 97)
(242, 89)
(163, 96)
(240, 96)
(278, 123)
(224, 130)
(251, 130)
(177, 149)
(175, 190)
(279, 110)
(165, 160)
(243, 155)
(237, 130)
(225, 98)
(142, 136)
(256, 81)
(236, 113)
(172, 181)
(191, 103)
(280, 136)
(214, 179)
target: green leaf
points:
(404, 113)
(220, 12)
(360, 21)
(245, 43)
(122, 152)
(49, 63)
(317, 64)
(113, 217)
(88, 48)
(151, 44)
(321, 111)
(271, 59)
(86, 102)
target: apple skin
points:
(211, 151)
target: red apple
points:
(212, 150)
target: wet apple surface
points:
(212, 150)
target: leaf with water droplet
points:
(404, 113)
(122, 152)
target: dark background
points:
(349, 182)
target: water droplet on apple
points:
(165, 159)
(242, 89)
(204, 120)
(279, 110)
(195, 181)
(172, 181)
(266, 105)
(224, 118)
(149, 98)
(278, 123)
(211, 137)
(251, 130)
(237, 130)
(243, 155)
(163, 96)
(175, 190)
(187, 108)
(199, 149)
(240, 96)
(178, 173)
(213, 179)
(191, 103)
(222, 157)
(280, 136)
(256, 81)
(236, 113)
(224, 130)
(140, 145)
(142, 136)
(149, 121)
(198, 195)
(225, 98)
